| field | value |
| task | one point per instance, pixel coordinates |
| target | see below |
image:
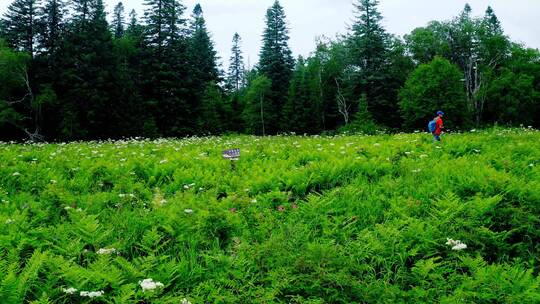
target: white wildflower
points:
(473, 130)
(185, 301)
(149, 284)
(188, 211)
(67, 207)
(459, 246)
(92, 294)
(121, 195)
(16, 174)
(163, 161)
(456, 244)
(531, 165)
(70, 290)
(107, 251)
(53, 181)
(476, 150)
(417, 170)
(186, 187)
(254, 200)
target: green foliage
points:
(432, 87)
(276, 63)
(258, 108)
(343, 219)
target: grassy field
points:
(345, 219)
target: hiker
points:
(436, 125)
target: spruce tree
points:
(236, 74)
(202, 50)
(52, 27)
(21, 25)
(118, 21)
(369, 47)
(166, 68)
(86, 82)
(202, 58)
(276, 63)
(133, 25)
(296, 109)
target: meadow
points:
(297, 219)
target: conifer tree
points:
(276, 63)
(52, 26)
(368, 45)
(297, 108)
(21, 25)
(236, 74)
(118, 21)
(204, 56)
(133, 25)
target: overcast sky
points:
(309, 19)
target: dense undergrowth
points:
(346, 219)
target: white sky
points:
(309, 19)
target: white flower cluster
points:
(92, 294)
(107, 251)
(189, 186)
(456, 244)
(185, 301)
(149, 284)
(89, 294)
(70, 290)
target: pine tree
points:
(236, 75)
(52, 27)
(204, 56)
(276, 62)
(369, 46)
(133, 26)
(297, 109)
(86, 82)
(118, 20)
(81, 11)
(166, 68)
(368, 42)
(21, 25)
(163, 23)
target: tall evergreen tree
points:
(133, 25)
(86, 81)
(277, 63)
(166, 68)
(203, 60)
(52, 26)
(204, 56)
(369, 46)
(21, 25)
(236, 74)
(118, 23)
(298, 108)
